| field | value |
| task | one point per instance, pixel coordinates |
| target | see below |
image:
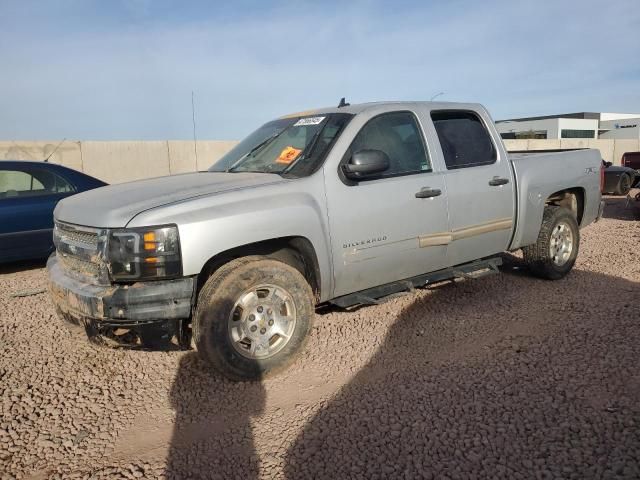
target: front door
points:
(381, 231)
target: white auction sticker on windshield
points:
(308, 121)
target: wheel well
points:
(297, 252)
(572, 199)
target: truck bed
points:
(540, 174)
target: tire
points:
(624, 184)
(223, 330)
(557, 223)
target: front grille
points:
(79, 238)
(82, 267)
(80, 252)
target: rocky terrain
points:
(505, 376)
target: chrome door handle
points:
(426, 192)
(496, 181)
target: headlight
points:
(144, 253)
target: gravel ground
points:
(505, 376)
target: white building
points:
(621, 128)
(572, 125)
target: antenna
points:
(436, 96)
(193, 118)
(55, 150)
(343, 103)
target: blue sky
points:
(125, 69)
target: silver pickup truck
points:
(343, 205)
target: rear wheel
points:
(624, 184)
(253, 317)
(556, 250)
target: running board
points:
(378, 295)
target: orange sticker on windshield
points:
(288, 155)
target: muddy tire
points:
(253, 316)
(555, 252)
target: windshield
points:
(288, 146)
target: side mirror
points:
(366, 162)
(607, 164)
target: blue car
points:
(29, 191)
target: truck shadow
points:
(536, 386)
(212, 436)
(619, 208)
(519, 379)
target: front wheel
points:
(556, 250)
(253, 316)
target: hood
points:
(114, 206)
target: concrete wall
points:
(610, 149)
(68, 153)
(622, 146)
(606, 148)
(549, 144)
(124, 161)
(116, 162)
(182, 154)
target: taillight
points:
(602, 178)
(623, 162)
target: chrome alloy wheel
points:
(561, 244)
(262, 321)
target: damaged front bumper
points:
(143, 306)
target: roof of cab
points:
(361, 107)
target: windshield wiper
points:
(250, 153)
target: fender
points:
(211, 225)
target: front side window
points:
(293, 146)
(31, 183)
(464, 139)
(398, 135)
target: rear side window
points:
(31, 183)
(464, 139)
(398, 135)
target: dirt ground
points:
(505, 376)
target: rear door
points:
(479, 182)
(28, 196)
